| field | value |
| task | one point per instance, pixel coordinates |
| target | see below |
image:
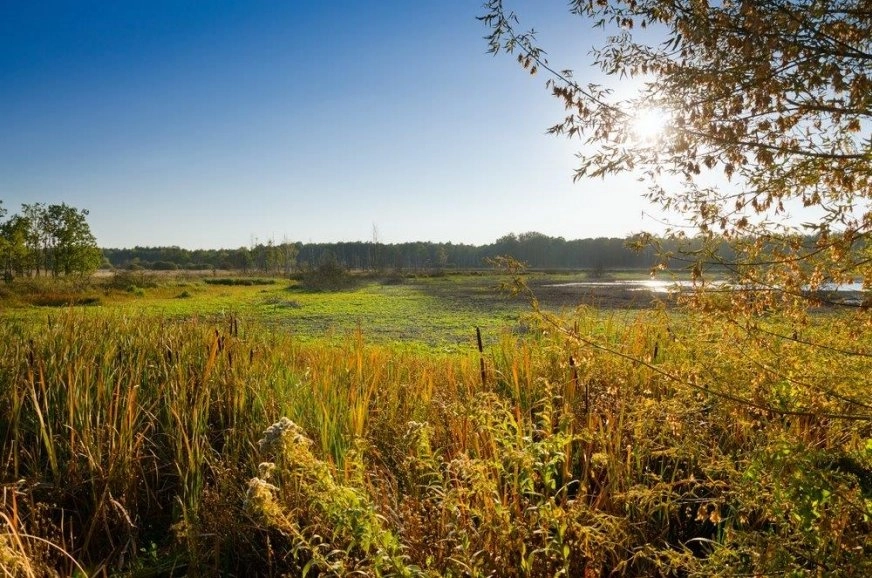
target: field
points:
(436, 310)
(169, 426)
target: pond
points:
(668, 286)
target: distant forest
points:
(538, 251)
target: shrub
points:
(243, 281)
(330, 275)
(129, 281)
(164, 266)
(393, 279)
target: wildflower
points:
(265, 470)
(283, 429)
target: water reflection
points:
(668, 286)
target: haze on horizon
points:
(207, 125)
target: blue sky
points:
(213, 124)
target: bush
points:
(164, 266)
(246, 282)
(129, 281)
(393, 279)
(330, 275)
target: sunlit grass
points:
(437, 311)
(594, 442)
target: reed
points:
(597, 444)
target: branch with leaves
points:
(771, 101)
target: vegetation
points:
(440, 311)
(43, 239)
(592, 445)
(764, 111)
(329, 275)
(730, 437)
(535, 249)
(245, 281)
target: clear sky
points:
(213, 124)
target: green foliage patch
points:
(239, 281)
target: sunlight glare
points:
(648, 124)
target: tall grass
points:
(595, 446)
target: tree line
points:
(47, 240)
(535, 249)
(55, 239)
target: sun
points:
(648, 124)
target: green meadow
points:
(435, 311)
(441, 310)
(171, 425)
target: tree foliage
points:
(535, 249)
(45, 239)
(767, 108)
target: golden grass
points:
(666, 445)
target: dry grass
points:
(594, 447)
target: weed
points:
(649, 443)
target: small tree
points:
(241, 259)
(766, 112)
(17, 258)
(775, 96)
(36, 242)
(287, 253)
(75, 248)
(54, 238)
(4, 247)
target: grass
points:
(245, 281)
(243, 428)
(442, 311)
